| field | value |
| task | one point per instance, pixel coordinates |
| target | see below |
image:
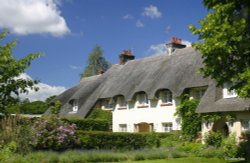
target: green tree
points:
(10, 69)
(224, 36)
(96, 63)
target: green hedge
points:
(90, 124)
(117, 141)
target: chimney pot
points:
(175, 43)
(125, 56)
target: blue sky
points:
(67, 30)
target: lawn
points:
(184, 160)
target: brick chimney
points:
(125, 56)
(176, 43)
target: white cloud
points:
(32, 17)
(128, 17)
(75, 67)
(187, 43)
(168, 29)
(158, 49)
(152, 12)
(139, 24)
(44, 91)
(162, 48)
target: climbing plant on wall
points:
(191, 121)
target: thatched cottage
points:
(143, 93)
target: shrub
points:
(8, 150)
(16, 129)
(98, 113)
(192, 148)
(211, 151)
(117, 141)
(230, 147)
(214, 138)
(89, 124)
(52, 133)
(55, 108)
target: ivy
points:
(213, 117)
(191, 121)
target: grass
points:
(184, 160)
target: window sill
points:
(107, 109)
(73, 112)
(122, 108)
(142, 106)
(166, 104)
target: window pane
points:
(167, 127)
(166, 96)
(122, 127)
(142, 98)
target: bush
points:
(117, 141)
(89, 124)
(8, 150)
(98, 113)
(192, 148)
(214, 138)
(230, 147)
(16, 129)
(52, 133)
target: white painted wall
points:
(156, 115)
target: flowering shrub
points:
(53, 133)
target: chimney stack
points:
(176, 43)
(125, 56)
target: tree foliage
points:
(96, 63)
(35, 107)
(225, 43)
(10, 69)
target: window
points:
(167, 127)
(75, 106)
(142, 99)
(245, 125)
(166, 97)
(227, 93)
(121, 102)
(107, 104)
(197, 93)
(123, 127)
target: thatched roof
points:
(212, 101)
(175, 72)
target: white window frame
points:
(227, 93)
(142, 99)
(123, 127)
(166, 97)
(167, 126)
(74, 106)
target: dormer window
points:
(107, 104)
(227, 93)
(166, 97)
(121, 103)
(74, 106)
(142, 100)
(198, 92)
